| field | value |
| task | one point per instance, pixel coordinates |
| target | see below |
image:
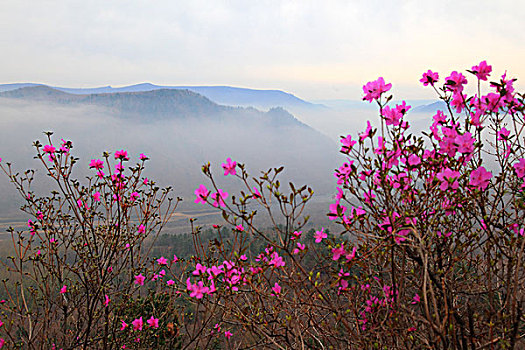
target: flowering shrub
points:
(430, 252)
(74, 272)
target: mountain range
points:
(178, 129)
(225, 95)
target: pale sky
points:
(313, 49)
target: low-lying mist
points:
(177, 148)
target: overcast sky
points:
(314, 49)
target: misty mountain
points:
(225, 95)
(179, 130)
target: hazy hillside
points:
(178, 129)
(225, 95)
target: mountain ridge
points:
(220, 94)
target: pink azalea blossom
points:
(170, 282)
(122, 155)
(141, 229)
(218, 198)
(455, 82)
(337, 252)
(413, 160)
(374, 89)
(139, 279)
(133, 197)
(162, 261)
(447, 177)
(482, 70)
(503, 134)
(348, 143)
(175, 258)
(153, 322)
(520, 168)
(480, 178)
(202, 193)
(106, 300)
(416, 299)
(229, 167)
(228, 334)
(239, 228)
(256, 193)
(137, 324)
(429, 78)
(49, 149)
(367, 133)
(143, 156)
(276, 288)
(465, 143)
(123, 325)
(96, 196)
(96, 163)
(320, 235)
(63, 289)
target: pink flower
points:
(337, 252)
(96, 197)
(133, 197)
(197, 290)
(229, 167)
(503, 134)
(320, 235)
(276, 288)
(465, 143)
(175, 258)
(153, 322)
(202, 193)
(96, 163)
(122, 155)
(482, 70)
(348, 143)
(137, 324)
(455, 82)
(63, 290)
(218, 198)
(228, 334)
(199, 269)
(416, 299)
(145, 181)
(139, 279)
(367, 133)
(446, 177)
(49, 149)
(374, 89)
(162, 261)
(413, 160)
(239, 228)
(480, 178)
(429, 78)
(520, 168)
(2, 342)
(170, 282)
(256, 193)
(141, 229)
(123, 325)
(300, 247)
(143, 157)
(107, 300)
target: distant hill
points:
(178, 129)
(225, 95)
